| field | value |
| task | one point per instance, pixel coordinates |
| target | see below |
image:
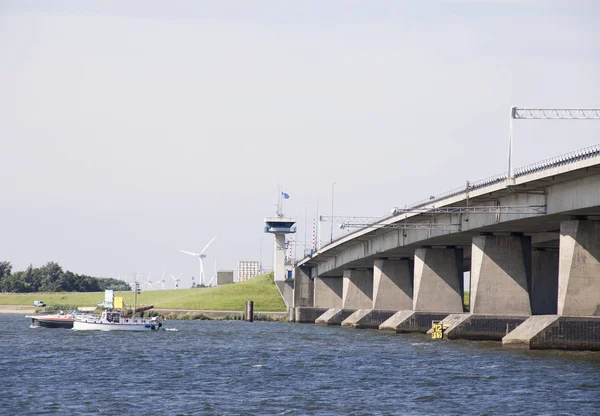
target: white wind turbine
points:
(162, 280)
(148, 282)
(176, 279)
(214, 276)
(200, 256)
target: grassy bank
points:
(261, 290)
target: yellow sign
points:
(437, 330)
(118, 302)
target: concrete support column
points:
(438, 280)
(393, 285)
(501, 275)
(304, 288)
(579, 268)
(328, 292)
(279, 258)
(358, 289)
(544, 282)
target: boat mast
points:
(135, 291)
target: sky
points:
(130, 130)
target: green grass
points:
(466, 300)
(261, 290)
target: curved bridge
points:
(531, 243)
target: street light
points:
(260, 264)
(317, 231)
(305, 226)
(332, 193)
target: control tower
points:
(280, 226)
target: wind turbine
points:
(214, 276)
(176, 280)
(162, 280)
(200, 256)
(148, 282)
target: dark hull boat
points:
(52, 321)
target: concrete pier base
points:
(367, 318)
(579, 268)
(501, 275)
(483, 327)
(328, 292)
(304, 288)
(411, 321)
(393, 285)
(556, 332)
(286, 289)
(438, 279)
(304, 315)
(334, 316)
(452, 320)
(358, 289)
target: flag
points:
(285, 196)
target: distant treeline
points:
(52, 278)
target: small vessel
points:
(59, 320)
(113, 321)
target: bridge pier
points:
(501, 275)
(500, 282)
(577, 325)
(328, 292)
(393, 284)
(304, 288)
(438, 280)
(358, 289)
(579, 268)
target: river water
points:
(272, 368)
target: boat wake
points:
(172, 329)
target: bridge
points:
(529, 237)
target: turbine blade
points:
(190, 253)
(209, 243)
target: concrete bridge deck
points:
(566, 190)
(533, 249)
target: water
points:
(266, 368)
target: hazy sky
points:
(131, 129)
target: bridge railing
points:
(560, 160)
(460, 190)
(564, 159)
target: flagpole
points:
(279, 210)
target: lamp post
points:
(332, 193)
(305, 226)
(317, 245)
(260, 263)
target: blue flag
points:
(285, 196)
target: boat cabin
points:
(114, 317)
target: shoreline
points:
(16, 309)
(20, 309)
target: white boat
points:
(113, 321)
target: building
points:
(247, 270)
(224, 277)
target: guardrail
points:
(561, 160)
